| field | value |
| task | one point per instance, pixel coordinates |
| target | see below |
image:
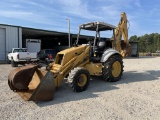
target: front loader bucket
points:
(32, 83)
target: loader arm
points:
(122, 30)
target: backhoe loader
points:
(98, 57)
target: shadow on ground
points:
(141, 57)
(65, 93)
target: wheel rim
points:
(116, 69)
(82, 80)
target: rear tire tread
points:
(107, 70)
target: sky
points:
(143, 15)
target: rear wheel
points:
(14, 64)
(113, 69)
(46, 61)
(79, 79)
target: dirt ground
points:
(135, 97)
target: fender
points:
(107, 53)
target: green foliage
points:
(147, 42)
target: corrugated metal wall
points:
(2, 43)
(13, 37)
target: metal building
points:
(10, 36)
(15, 37)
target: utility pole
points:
(158, 43)
(69, 41)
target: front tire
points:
(79, 79)
(46, 61)
(113, 69)
(14, 64)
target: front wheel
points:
(14, 64)
(46, 61)
(113, 69)
(79, 79)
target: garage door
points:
(2, 43)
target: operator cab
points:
(98, 44)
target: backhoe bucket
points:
(32, 83)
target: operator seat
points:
(98, 51)
(101, 45)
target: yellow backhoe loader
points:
(97, 57)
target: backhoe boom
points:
(122, 30)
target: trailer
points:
(33, 45)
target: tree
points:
(147, 42)
(133, 38)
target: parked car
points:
(47, 55)
(20, 55)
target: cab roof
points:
(93, 26)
